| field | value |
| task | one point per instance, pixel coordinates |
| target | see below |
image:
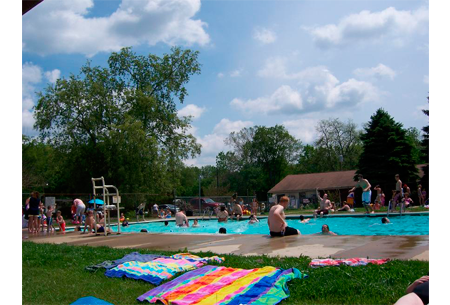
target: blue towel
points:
(90, 301)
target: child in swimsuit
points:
(49, 219)
(61, 222)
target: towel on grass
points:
(224, 285)
(155, 271)
(90, 301)
(348, 261)
(196, 258)
(134, 256)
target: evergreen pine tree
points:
(386, 151)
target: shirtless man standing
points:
(365, 185)
(276, 220)
(237, 211)
(181, 219)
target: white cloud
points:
(220, 75)
(283, 100)
(264, 35)
(303, 129)
(236, 73)
(192, 110)
(378, 72)
(275, 67)
(426, 79)
(213, 143)
(371, 27)
(52, 76)
(318, 89)
(65, 27)
(32, 76)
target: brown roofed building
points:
(303, 187)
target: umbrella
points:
(97, 201)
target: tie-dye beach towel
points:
(223, 285)
(196, 258)
(155, 271)
(134, 256)
(348, 261)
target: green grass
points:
(54, 274)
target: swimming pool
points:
(371, 225)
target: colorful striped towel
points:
(348, 261)
(155, 271)
(134, 256)
(196, 258)
(223, 285)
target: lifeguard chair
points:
(106, 203)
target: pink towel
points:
(348, 261)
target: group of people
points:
(400, 196)
(39, 216)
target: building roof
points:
(309, 182)
(322, 181)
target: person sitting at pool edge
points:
(324, 204)
(326, 231)
(346, 207)
(181, 219)
(276, 220)
(222, 215)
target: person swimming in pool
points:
(253, 219)
(326, 230)
(222, 215)
(385, 220)
(276, 220)
(303, 219)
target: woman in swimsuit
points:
(222, 215)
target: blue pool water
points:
(400, 225)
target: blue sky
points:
(263, 62)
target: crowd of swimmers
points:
(40, 216)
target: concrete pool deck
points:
(314, 246)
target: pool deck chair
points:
(106, 202)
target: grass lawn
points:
(54, 274)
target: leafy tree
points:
(261, 158)
(311, 160)
(415, 137)
(340, 144)
(387, 150)
(426, 152)
(121, 122)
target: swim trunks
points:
(33, 211)
(423, 292)
(287, 231)
(366, 197)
